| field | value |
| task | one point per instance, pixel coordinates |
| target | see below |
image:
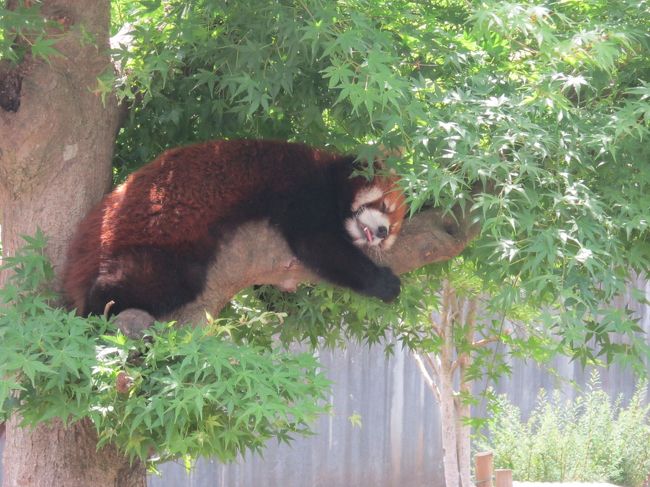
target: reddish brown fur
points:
(173, 202)
(393, 197)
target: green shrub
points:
(179, 392)
(591, 439)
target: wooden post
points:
(483, 463)
(503, 477)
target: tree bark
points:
(444, 372)
(448, 400)
(56, 144)
(466, 309)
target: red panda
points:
(148, 244)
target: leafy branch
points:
(175, 392)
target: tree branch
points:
(427, 376)
(484, 342)
(257, 254)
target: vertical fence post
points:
(483, 462)
(503, 477)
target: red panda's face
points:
(377, 214)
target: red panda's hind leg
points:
(156, 280)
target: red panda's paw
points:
(386, 285)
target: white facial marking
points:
(391, 207)
(365, 196)
(363, 227)
(355, 232)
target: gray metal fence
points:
(398, 444)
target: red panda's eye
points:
(383, 207)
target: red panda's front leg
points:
(340, 262)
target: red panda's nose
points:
(382, 232)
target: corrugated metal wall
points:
(527, 379)
(398, 444)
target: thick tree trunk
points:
(56, 143)
(65, 457)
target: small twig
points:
(433, 364)
(108, 307)
(486, 341)
(427, 377)
(436, 328)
